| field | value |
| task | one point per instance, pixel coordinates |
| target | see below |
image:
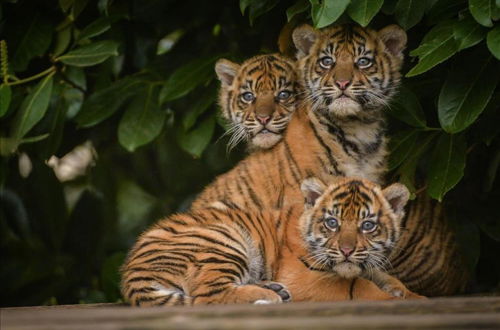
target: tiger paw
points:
(279, 288)
(400, 291)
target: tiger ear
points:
(226, 71)
(397, 195)
(394, 39)
(304, 37)
(312, 189)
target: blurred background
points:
(109, 122)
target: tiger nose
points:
(263, 119)
(343, 83)
(346, 250)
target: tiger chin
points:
(349, 228)
(257, 99)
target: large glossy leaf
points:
(436, 47)
(91, 54)
(466, 91)
(406, 107)
(105, 102)
(482, 11)
(468, 33)
(95, 28)
(362, 11)
(256, 8)
(143, 120)
(197, 139)
(33, 108)
(187, 78)
(298, 7)
(32, 38)
(5, 96)
(326, 12)
(205, 100)
(493, 41)
(409, 12)
(447, 165)
(401, 146)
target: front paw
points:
(400, 291)
(279, 288)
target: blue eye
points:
(283, 95)
(326, 62)
(368, 226)
(331, 223)
(247, 97)
(364, 62)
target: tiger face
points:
(351, 226)
(349, 71)
(257, 98)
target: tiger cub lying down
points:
(221, 255)
(257, 98)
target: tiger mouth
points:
(266, 131)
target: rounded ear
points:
(226, 71)
(397, 195)
(394, 39)
(312, 188)
(304, 37)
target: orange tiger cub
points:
(223, 255)
(257, 98)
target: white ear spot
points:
(304, 37)
(262, 302)
(397, 195)
(394, 39)
(226, 71)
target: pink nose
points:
(342, 83)
(263, 119)
(346, 250)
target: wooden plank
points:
(456, 313)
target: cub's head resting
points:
(257, 98)
(350, 227)
(349, 71)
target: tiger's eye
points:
(368, 226)
(247, 97)
(364, 62)
(326, 62)
(331, 223)
(283, 95)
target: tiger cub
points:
(257, 98)
(227, 255)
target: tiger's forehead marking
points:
(266, 73)
(348, 40)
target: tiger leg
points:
(392, 285)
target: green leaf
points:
(63, 40)
(326, 12)
(105, 102)
(95, 28)
(92, 54)
(32, 39)
(437, 46)
(409, 12)
(363, 11)
(406, 107)
(205, 100)
(447, 165)
(33, 108)
(467, 90)
(186, 78)
(401, 146)
(468, 33)
(482, 11)
(493, 41)
(197, 139)
(256, 8)
(298, 7)
(5, 96)
(143, 120)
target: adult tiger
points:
(349, 74)
(257, 98)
